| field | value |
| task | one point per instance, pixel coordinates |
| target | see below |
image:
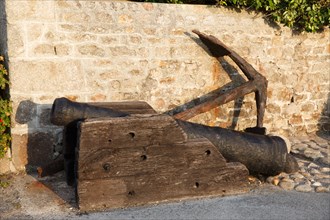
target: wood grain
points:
(127, 132)
(194, 154)
(138, 160)
(102, 194)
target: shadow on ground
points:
(324, 122)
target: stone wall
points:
(114, 51)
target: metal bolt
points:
(106, 167)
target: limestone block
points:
(319, 95)
(74, 17)
(273, 108)
(103, 17)
(98, 98)
(311, 128)
(275, 52)
(319, 67)
(15, 37)
(91, 49)
(91, 5)
(46, 76)
(141, 52)
(19, 150)
(62, 49)
(122, 51)
(63, 4)
(108, 40)
(50, 35)
(81, 37)
(285, 94)
(44, 49)
(99, 63)
(30, 10)
(48, 99)
(148, 6)
(308, 107)
(72, 27)
(34, 31)
(6, 164)
(117, 6)
(295, 119)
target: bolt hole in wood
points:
(106, 167)
(196, 184)
(207, 152)
(131, 134)
(143, 157)
(131, 193)
(109, 140)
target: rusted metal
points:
(65, 111)
(257, 84)
(261, 154)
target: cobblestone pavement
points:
(312, 153)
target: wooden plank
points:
(131, 107)
(178, 157)
(126, 132)
(101, 194)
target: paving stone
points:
(313, 145)
(283, 175)
(321, 189)
(313, 154)
(325, 169)
(270, 179)
(301, 164)
(325, 160)
(325, 180)
(312, 165)
(306, 174)
(301, 146)
(317, 184)
(287, 185)
(326, 145)
(295, 151)
(321, 176)
(297, 176)
(304, 188)
(287, 180)
(314, 171)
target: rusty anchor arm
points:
(257, 83)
